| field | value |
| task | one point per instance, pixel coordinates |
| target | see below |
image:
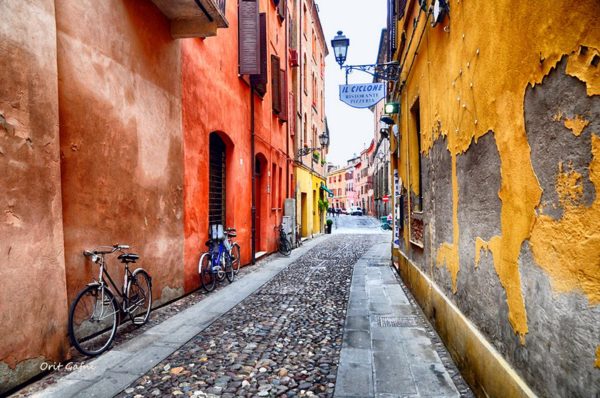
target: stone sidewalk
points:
(387, 351)
(113, 371)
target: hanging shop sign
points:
(362, 95)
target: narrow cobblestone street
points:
(285, 338)
(328, 322)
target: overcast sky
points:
(361, 21)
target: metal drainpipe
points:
(253, 168)
(287, 124)
(299, 98)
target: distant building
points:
(380, 162)
(336, 181)
(364, 180)
(308, 49)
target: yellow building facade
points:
(496, 170)
(309, 192)
(308, 51)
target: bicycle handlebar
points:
(107, 250)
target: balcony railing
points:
(194, 18)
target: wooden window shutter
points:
(275, 89)
(400, 9)
(248, 37)
(392, 26)
(283, 114)
(260, 80)
(282, 9)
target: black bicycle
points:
(285, 246)
(95, 314)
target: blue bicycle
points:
(217, 263)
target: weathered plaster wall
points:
(33, 305)
(121, 139)
(517, 247)
(217, 99)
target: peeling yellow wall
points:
(568, 249)
(576, 124)
(485, 91)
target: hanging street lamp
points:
(340, 45)
(387, 71)
(323, 140)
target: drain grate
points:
(397, 321)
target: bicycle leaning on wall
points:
(222, 260)
(285, 245)
(95, 313)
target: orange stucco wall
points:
(216, 99)
(33, 306)
(120, 136)
(104, 138)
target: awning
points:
(329, 193)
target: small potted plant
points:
(328, 225)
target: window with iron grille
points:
(216, 183)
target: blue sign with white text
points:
(362, 95)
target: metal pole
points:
(253, 168)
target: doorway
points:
(304, 213)
(260, 171)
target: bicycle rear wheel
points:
(235, 258)
(229, 273)
(207, 277)
(139, 297)
(93, 320)
(285, 246)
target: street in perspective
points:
(299, 198)
(331, 320)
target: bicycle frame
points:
(124, 304)
(220, 252)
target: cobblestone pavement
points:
(128, 331)
(283, 340)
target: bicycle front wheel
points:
(93, 320)
(235, 258)
(229, 273)
(139, 297)
(207, 277)
(285, 246)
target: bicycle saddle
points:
(128, 258)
